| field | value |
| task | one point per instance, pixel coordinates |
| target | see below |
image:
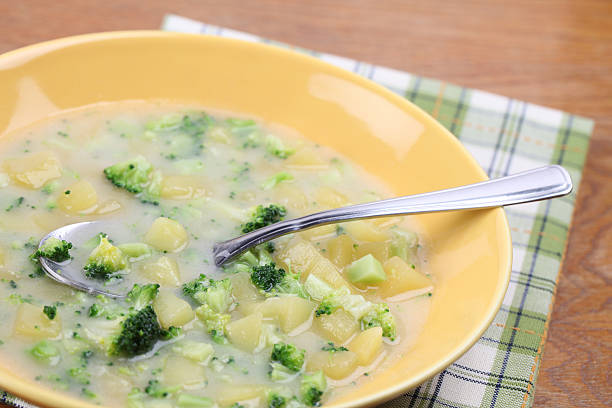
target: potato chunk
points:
(230, 394)
(245, 293)
(244, 333)
(401, 277)
(290, 196)
(171, 310)
(166, 235)
(32, 322)
(291, 311)
(366, 231)
(327, 197)
(336, 365)
(340, 250)
(78, 198)
(184, 372)
(379, 250)
(164, 271)
(305, 259)
(367, 345)
(306, 159)
(337, 327)
(34, 170)
(182, 188)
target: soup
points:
(293, 322)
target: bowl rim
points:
(21, 55)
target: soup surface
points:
(291, 323)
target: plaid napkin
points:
(505, 136)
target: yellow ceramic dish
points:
(470, 252)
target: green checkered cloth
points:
(505, 136)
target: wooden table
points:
(553, 53)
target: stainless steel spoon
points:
(538, 184)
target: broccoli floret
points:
(380, 315)
(312, 388)
(141, 296)
(288, 355)
(325, 308)
(131, 175)
(171, 333)
(105, 261)
(273, 180)
(193, 401)
(267, 277)
(273, 281)
(134, 398)
(275, 400)
(215, 322)
(45, 352)
(139, 333)
(54, 249)
(263, 216)
(276, 147)
(156, 390)
(50, 311)
(332, 348)
(215, 293)
(80, 375)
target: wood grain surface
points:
(553, 53)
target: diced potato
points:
(340, 250)
(336, 365)
(164, 271)
(182, 188)
(290, 196)
(327, 197)
(401, 277)
(367, 345)
(227, 395)
(184, 372)
(338, 326)
(166, 235)
(171, 310)
(366, 231)
(291, 311)
(108, 207)
(325, 270)
(298, 255)
(78, 198)
(319, 233)
(244, 333)
(379, 250)
(112, 383)
(30, 321)
(245, 293)
(34, 170)
(306, 159)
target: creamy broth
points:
(209, 172)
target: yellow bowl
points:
(470, 252)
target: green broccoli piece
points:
(139, 333)
(105, 261)
(45, 352)
(267, 277)
(50, 311)
(80, 375)
(193, 401)
(275, 400)
(263, 216)
(171, 333)
(215, 293)
(273, 281)
(141, 296)
(275, 179)
(380, 315)
(332, 348)
(215, 322)
(325, 308)
(131, 175)
(54, 249)
(156, 390)
(312, 388)
(288, 355)
(135, 398)
(276, 147)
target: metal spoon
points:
(538, 184)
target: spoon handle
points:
(532, 185)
